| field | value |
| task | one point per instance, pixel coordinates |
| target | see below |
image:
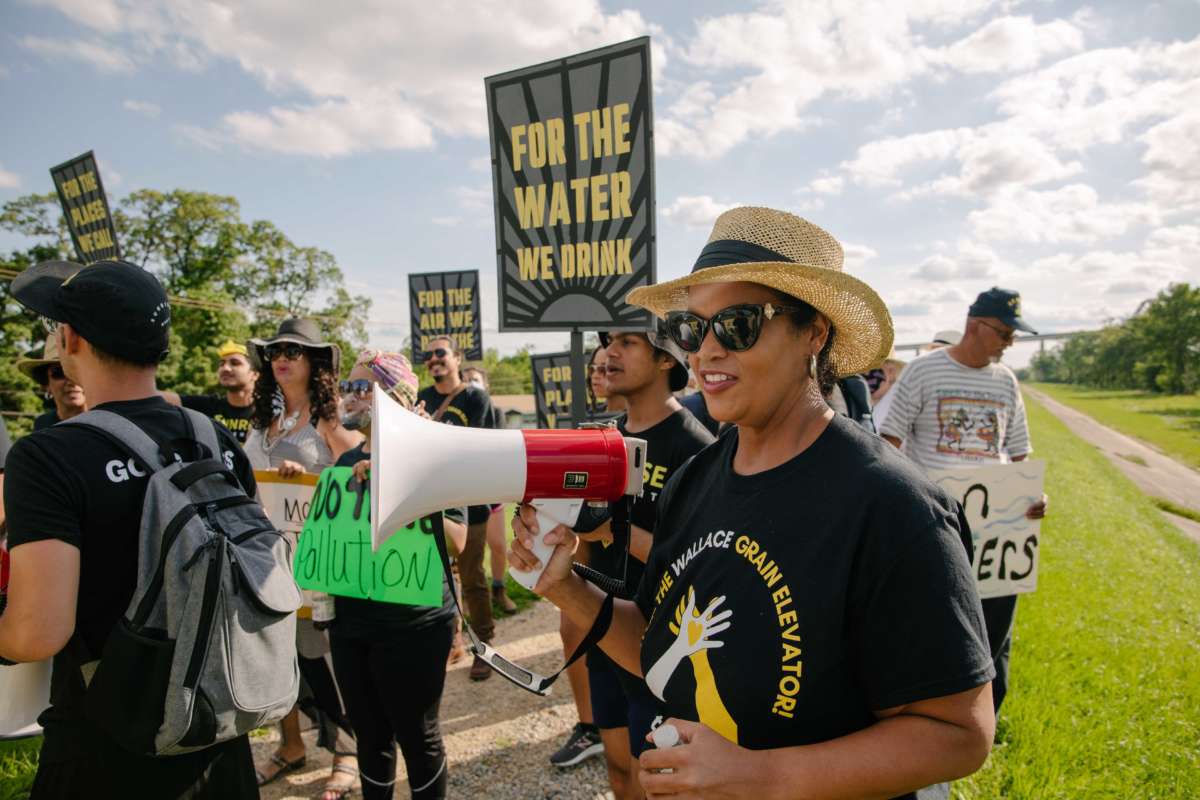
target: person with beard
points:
(237, 377)
(47, 372)
(390, 659)
(807, 615)
(644, 369)
(296, 429)
(455, 402)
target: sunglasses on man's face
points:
(440, 352)
(736, 328)
(1006, 336)
(55, 372)
(289, 351)
(359, 387)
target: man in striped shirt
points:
(959, 406)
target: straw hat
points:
(31, 363)
(791, 255)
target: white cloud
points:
(696, 211)
(856, 255)
(480, 164)
(9, 180)
(827, 185)
(108, 175)
(1128, 287)
(100, 56)
(1073, 213)
(1011, 43)
(1173, 157)
(474, 198)
(967, 261)
(388, 76)
(142, 107)
(448, 222)
(878, 163)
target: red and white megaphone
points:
(419, 466)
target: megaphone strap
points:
(527, 679)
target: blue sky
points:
(950, 145)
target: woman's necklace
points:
(286, 424)
(289, 422)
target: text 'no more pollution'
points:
(334, 553)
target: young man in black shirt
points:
(74, 503)
(237, 378)
(455, 402)
(644, 369)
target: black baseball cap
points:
(118, 307)
(1003, 304)
(659, 340)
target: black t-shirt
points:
(669, 444)
(43, 421)
(235, 418)
(72, 484)
(844, 579)
(470, 408)
(359, 618)
(695, 403)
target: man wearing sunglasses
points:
(959, 406)
(47, 372)
(453, 401)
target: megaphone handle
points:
(550, 514)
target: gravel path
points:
(498, 737)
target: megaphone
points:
(419, 466)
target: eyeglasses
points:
(441, 352)
(56, 372)
(359, 387)
(598, 369)
(289, 351)
(736, 328)
(1005, 336)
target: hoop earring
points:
(812, 367)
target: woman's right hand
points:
(362, 469)
(290, 469)
(520, 552)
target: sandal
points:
(336, 791)
(284, 767)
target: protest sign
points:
(1007, 544)
(552, 391)
(85, 207)
(573, 178)
(334, 555)
(286, 500)
(445, 304)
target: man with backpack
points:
(97, 519)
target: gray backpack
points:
(207, 648)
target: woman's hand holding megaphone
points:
(520, 552)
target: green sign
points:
(334, 554)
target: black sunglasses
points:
(441, 352)
(289, 351)
(737, 328)
(1005, 336)
(56, 372)
(359, 387)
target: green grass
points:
(18, 764)
(1175, 508)
(1171, 423)
(1104, 691)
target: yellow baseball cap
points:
(232, 348)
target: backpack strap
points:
(204, 431)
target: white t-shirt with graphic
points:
(947, 413)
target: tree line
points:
(1156, 349)
(228, 278)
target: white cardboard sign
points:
(1007, 544)
(285, 500)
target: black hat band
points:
(734, 251)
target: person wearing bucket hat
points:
(296, 429)
(75, 500)
(958, 408)
(807, 617)
(390, 659)
(645, 368)
(46, 371)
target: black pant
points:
(392, 686)
(998, 615)
(222, 772)
(320, 701)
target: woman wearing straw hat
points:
(808, 617)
